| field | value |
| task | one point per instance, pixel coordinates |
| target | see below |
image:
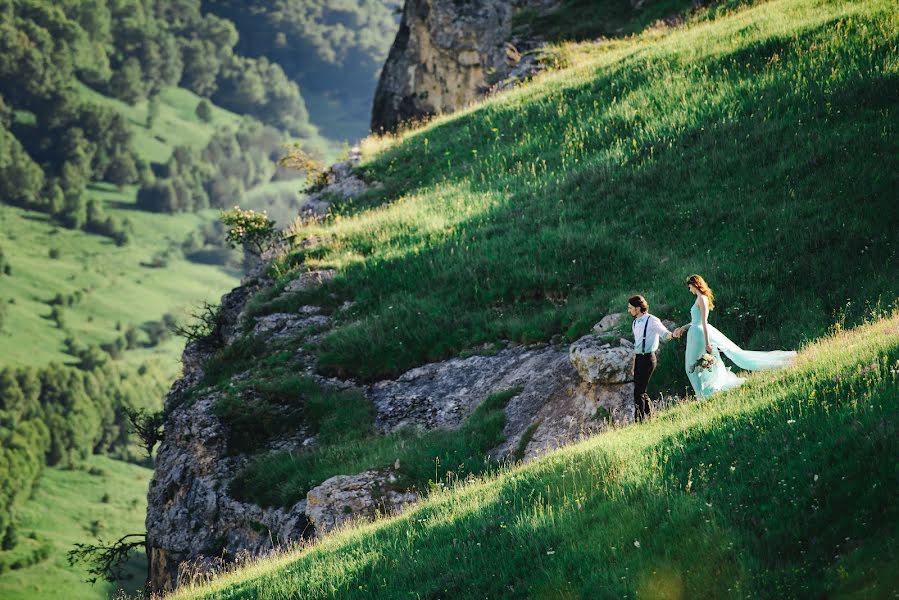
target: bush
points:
(10, 538)
(248, 228)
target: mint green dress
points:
(706, 382)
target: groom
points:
(647, 329)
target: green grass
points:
(585, 19)
(757, 149)
(781, 488)
(115, 287)
(65, 505)
(176, 122)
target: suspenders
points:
(643, 342)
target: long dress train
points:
(708, 381)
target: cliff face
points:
(446, 54)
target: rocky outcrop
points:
(339, 181)
(448, 53)
(566, 392)
(348, 497)
(556, 404)
(596, 362)
(190, 516)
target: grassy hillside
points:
(115, 287)
(757, 149)
(754, 146)
(782, 488)
(102, 497)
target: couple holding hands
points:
(702, 358)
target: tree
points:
(74, 212)
(21, 179)
(127, 81)
(158, 197)
(147, 425)
(152, 110)
(201, 67)
(107, 561)
(204, 111)
(248, 228)
(122, 170)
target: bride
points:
(703, 338)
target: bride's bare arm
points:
(704, 310)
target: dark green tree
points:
(204, 111)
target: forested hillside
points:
(333, 50)
(124, 126)
(111, 111)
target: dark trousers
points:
(644, 365)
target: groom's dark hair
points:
(639, 302)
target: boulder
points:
(596, 362)
(345, 497)
(309, 281)
(609, 323)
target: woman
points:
(703, 338)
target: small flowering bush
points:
(248, 228)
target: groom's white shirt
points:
(654, 330)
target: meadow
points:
(116, 285)
(67, 284)
(101, 497)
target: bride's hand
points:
(708, 348)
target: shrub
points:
(248, 228)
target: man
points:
(647, 329)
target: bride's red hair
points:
(704, 289)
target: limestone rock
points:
(346, 497)
(445, 55)
(555, 405)
(309, 281)
(600, 363)
(609, 323)
(285, 325)
(340, 181)
(576, 412)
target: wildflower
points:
(636, 543)
(791, 421)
